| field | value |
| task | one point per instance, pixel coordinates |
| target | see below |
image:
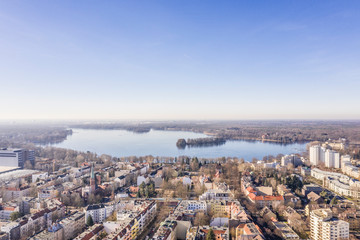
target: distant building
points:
(291, 159)
(311, 188)
(15, 193)
(332, 159)
(348, 168)
(216, 194)
(16, 157)
(324, 227)
(97, 213)
(199, 233)
(351, 216)
(314, 153)
(248, 231)
(92, 233)
(12, 229)
(285, 231)
(73, 225)
(54, 232)
(305, 171)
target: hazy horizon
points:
(179, 60)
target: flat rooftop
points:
(4, 169)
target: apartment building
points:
(12, 193)
(248, 231)
(217, 194)
(324, 227)
(337, 182)
(291, 159)
(132, 219)
(16, 157)
(97, 213)
(314, 154)
(73, 225)
(200, 233)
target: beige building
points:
(73, 225)
(324, 227)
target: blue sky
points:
(180, 59)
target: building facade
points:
(324, 227)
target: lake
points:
(122, 143)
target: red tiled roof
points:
(265, 198)
(9, 208)
(250, 189)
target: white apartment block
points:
(337, 182)
(337, 160)
(332, 159)
(321, 175)
(216, 194)
(97, 213)
(324, 227)
(329, 158)
(15, 157)
(314, 154)
(291, 159)
(322, 154)
(348, 168)
(196, 205)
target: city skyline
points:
(179, 60)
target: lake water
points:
(121, 143)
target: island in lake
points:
(200, 142)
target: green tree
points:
(14, 216)
(142, 189)
(89, 221)
(294, 183)
(210, 235)
(333, 201)
(194, 164)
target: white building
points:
(348, 168)
(186, 181)
(345, 159)
(216, 194)
(273, 164)
(142, 179)
(97, 213)
(324, 227)
(332, 159)
(337, 182)
(337, 161)
(321, 175)
(16, 157)
(291, 159)
(196, 205)
(322, 154)
(329, 158)
(314, 153)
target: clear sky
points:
(180, 59)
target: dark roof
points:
(94, 207)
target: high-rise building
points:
(337, 162)
(322, 154)
(314, 153)
(16, 157)
(324, 227)
(293, 159)
(332, 159)
(329, 158)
